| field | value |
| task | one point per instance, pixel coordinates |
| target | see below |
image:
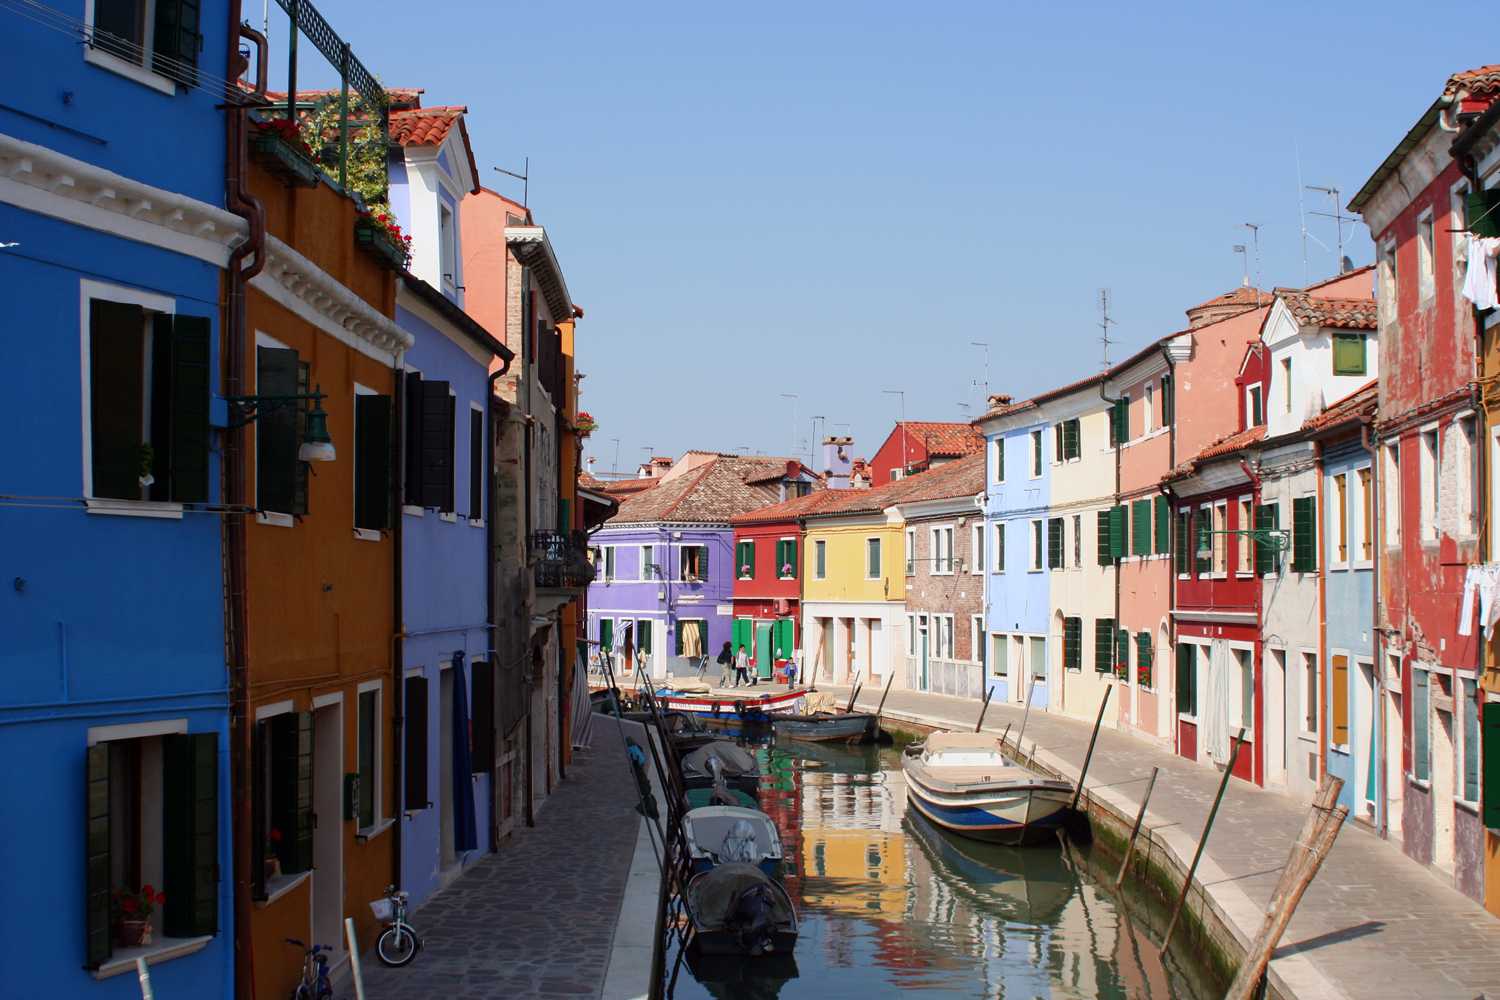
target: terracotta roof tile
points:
(1483, 80)
(588, 482)
(425, 126)
(712, 493)
(1363, 402)
(945, 440)
(1240, 296)
(962, 477)
(1223, 446)
(1342, 314)
(793, 508)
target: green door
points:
(763, 649)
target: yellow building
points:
(853, 589)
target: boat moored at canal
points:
(829, 727)
(964, 783)
(737, 909)
(721, 834)
(735, 712)
(721, 762)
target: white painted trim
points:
(134, 508)
(410, 672)
(263, 339)
(367, 534)
(364, 390)
(161, 950)
(450, 516)
(129, 70)
(377, 685)
(324, 700)
(135, 730)
(413, 511)
(275, 518)
(275, 708)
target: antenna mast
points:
(1302, 210)
(1337, 216)
(1105, 322)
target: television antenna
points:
(1105, 322)
(1302, 209)
(1333, 192)
(614, 470)
(1254, 228)
(525, 179)
(986, 383)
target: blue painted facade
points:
(1348, 581)
(113, 621)
(1016, 599)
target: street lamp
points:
(317, 445)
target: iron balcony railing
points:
(561, 559)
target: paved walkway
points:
(1373, 925)
(536, 919)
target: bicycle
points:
(315, 984)
(399, 943)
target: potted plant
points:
(379, 237)
(132, 911)
(271, 862)
(585, 424)
(277, 145)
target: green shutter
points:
(1163, 525)
(1187, 701)
(1103, 535)
(1202, 541)
(1036, 453)
(643, 636)
(276, 432)
(1143, 658)
(1267, 518)
(1054, 543)
(96, 856)
(414, 733)
(365, 753)
(1104, 644)
(177, 41)
(1349, 354)
(1000, 460)
(1489, 796)
(179, 408)
(1304, 535)
(1167, 400)
(1070, 438)
(740, 634)
(677, 646)
(1122, 420)
(820, 549)
(300, 469)
(781, 639)
(1180, 543)
(1119, 535)
(372, 462)
(1484, 212)
(1072, 643)
(117, 342)
(1140, 527)
(606, 634)
(291, 789)
(1122, 652)
(190, 833)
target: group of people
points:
(741, 666)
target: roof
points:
(589, 482)
(1243, 295)
(443, 306)
(944, 440)
(963, 477)
(1344, 314)
(533, 249)
(793, 508)
(711, 494)
(1360, 403)
(1224, 446)
(431, 127)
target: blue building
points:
(1017, 587)
(113, 693)
(448, 674)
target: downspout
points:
(398, 632)
(492, 630)
(239, 200)
(1172, 500)
(1377, 637)
(1258, 752)
(1324, 676)
(1119, 447)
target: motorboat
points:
(964, 783)
(721, 762)
(829, 727)
(719, 834)
(1026, 885)
(747, 712)
(737, 909)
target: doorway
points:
(1275, 737)
(763, 650)
(1363, 739)
(446, 855)
(328, 835)
(922, 636)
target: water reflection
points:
(892, 905)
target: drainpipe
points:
(1258, 752)
(1119, 448)
(1325, 726)
(1172, 501)
(239, 200)
(398, 634)
(492, 629)
(1377, 710)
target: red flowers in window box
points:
(585, 423)
(287, 132)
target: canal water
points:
(890, 905)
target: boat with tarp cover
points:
(737, 909)
(963, 782)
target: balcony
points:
(561, 559)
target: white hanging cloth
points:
(1479, 276)
(1216, 736)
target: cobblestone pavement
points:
(537, 918)
(1375, 923)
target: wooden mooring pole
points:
(1078, 792)
(881, 707)
(1187, 883)
(1307, 855)
(1129, 847)
(984, 708)
(1026, 713)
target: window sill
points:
(1472, 808)
(365, 834)
(278, 887)
(1416, 782)
(413, 511)
(129, 70)
(1307, 737)
(135, 508)
(275, 519)
(367, 534)
(451, 517)
(476, 522)
(160, 950)
(1340, 748)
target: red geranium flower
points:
(130, 904)
(161, 898)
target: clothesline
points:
(1483, 581)
(1479, 276)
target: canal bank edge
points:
(633, 952)
(1219, 916)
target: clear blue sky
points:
(835, 199)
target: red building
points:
(1418, 206)
(768, 578)
(922, 444)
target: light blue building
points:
(1017, 586)
(113, 686)
(448, 694)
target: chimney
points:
(999, 400)
(838, 461)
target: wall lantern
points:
(317, 445)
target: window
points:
(1102, 548)
(280, 478)
(374, 462)
(1057, 443)
(430, 416)
(1187, 679)
(1073, 643)
(1000, 547)
(1465, 448)
(445, 249)
(414, 692)
(911, 551)
(1392, 483)
(1489, 747)
(820, 559)
(283, 796)
(999, 460)
(1309, 692)
(368, 750)
(943, 626)
(1202, 542)
(1068, 440)
(1220, 539)
(1425, 268)
(158, 35)
(1144, 657)
(976, 639)
(872, 558)
(1242, 691)
(786, 559)
(608, 553)
(1055, 543)
(911, 635)
(942, 551)
(1256, 412)
(1468, 713)
(149, 382)
(1421, 735)
(1341, 515)
(1286, 383)
(1120, 422)
(1431, 484)
(1267, 518)
(1077, 540)
(1104, 645)
(1036, 454)
(476, 465)
(692, 638)
(1148, 408)
(1349, 354)
(152, 819)
(1038, 660)
(1140, 527)
(1000, 656)
(1243, 560)
(744, 559)
(1304, 534)
(606, 634)
(1036, 545)
(976, 555)
(643, 637)
(694, 562)
(1388, 280)
(1366, 515)
(1166, 400)
(649, 569)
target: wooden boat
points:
(737, 909)
(829, 727)
(747, 712)
(1026, 885)
(962, 782)
(721, 834)
(697, 798)
(735, 766)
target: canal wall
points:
(1219, 919)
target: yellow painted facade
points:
(853, 619)
(846, 540)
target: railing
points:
(562, 559)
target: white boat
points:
(719, 834)
(964, 783)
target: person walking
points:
(726, 664)
(741, 667)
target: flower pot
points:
(292, 165)
(380, 246)
(272, 868)
(132, 933)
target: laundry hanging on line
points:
(1482, 581)
(1479, 277)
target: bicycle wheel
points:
(304, 992)
(397, 946)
